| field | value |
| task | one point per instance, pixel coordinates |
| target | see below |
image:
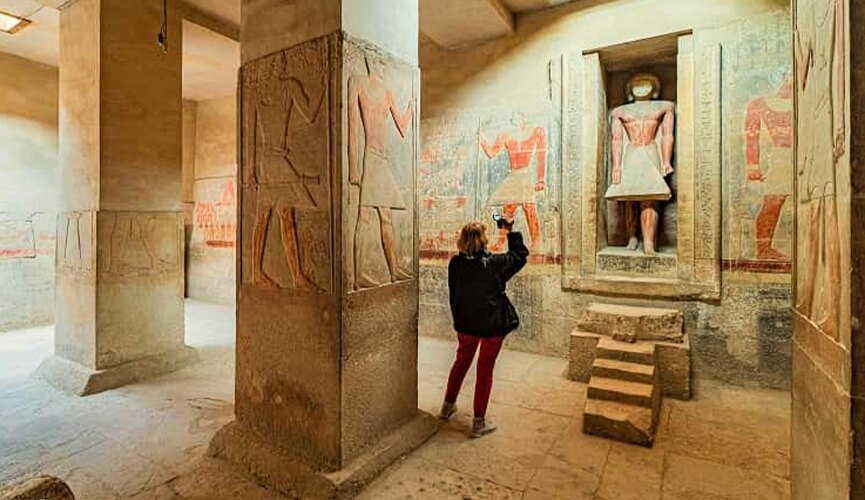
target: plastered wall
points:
(211, 245)
(509, 88)
(28, 191)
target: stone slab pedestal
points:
(673, 362)
(281, 470)
(78, 379)
(630, 323)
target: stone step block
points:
(643, 353)
(622, 391)
(624, 422)
(623, 370)
(632, 323)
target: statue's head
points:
(643, 87)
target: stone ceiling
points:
(208, 73)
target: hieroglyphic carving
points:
(285, 159)
(75, 242)
(593, 163)
(572, 98)
(708, 154)
(381, 160)
(821, 74)
(18, 236)
(215, 213)
(139, 243)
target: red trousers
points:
(468, 345)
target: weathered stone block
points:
(629, 423)
(38, 488)
(78, 379)
(674, 368)
(630, 323)
(583, 348)
(284, 472)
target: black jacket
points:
(477, 283)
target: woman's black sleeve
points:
(508, 264)
(452, 284)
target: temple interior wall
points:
(470, 96)
(28, 191)
(210, 271)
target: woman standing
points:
(482, 313)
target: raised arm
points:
(492, 150)
(353, 124)
(308, 107)
(402, 121)
(667, 128)
(508, 264)
(617, 131)
(753, 122)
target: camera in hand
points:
(501, 222)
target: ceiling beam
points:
(455, 24)
(189, 12)
(195, 15)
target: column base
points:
(281, 471)
(75, 378)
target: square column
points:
(119, 264)
(326, 389)
(827, 449)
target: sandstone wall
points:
(211, 246)
(28, 191)
(473, 96)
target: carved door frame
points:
(698, 164)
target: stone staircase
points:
(624, 394)
(625, 387)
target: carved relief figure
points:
(527, 153)
(372, 105)
(769, 169)
(821, 81)
(638, 169)
(285, 182)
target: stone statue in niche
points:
(639, 168)
(372, 104)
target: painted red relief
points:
(216, 219)
(525, 146)
(769, 171)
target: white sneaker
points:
(447, 411)
(482, 427)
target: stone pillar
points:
(828, 407)
(326, 392)
(119, 263)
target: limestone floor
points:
(148, 440)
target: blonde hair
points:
(473, 238)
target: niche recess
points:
(688, 262)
